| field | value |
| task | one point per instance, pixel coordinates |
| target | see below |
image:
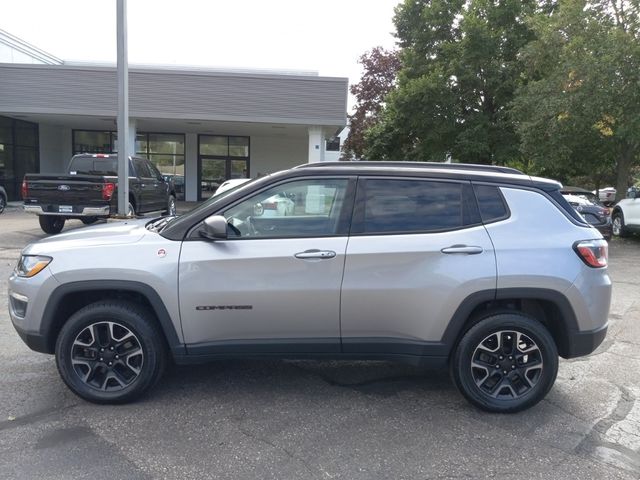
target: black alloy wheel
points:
(505, 363)
(110, 352)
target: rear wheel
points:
(110, 352)
(51, 224)
(505, 363)
(3, 203)
(617, 225)
(88, 220)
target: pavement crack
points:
(596, 445)
(275, 446)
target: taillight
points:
(25, 189)
(595, 253)
(107, 191)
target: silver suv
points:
(480, 268)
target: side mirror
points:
(214, 228)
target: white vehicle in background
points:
(606, 195)
(278, 205)
(229, 184)
(626, 214)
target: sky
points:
(326, 36)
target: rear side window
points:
(491, 203)
(413, 206)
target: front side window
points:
(414, 206)
(303, 208)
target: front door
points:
(274, 284)
(417, 250)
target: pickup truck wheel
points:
(505, 363)
(110, 352)
(89, 220)
(617, 225)
(3, 203)
(171, 205)
(51, 224)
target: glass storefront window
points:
(87, 141)
(214, 145)
(18, 153)
(238, 146)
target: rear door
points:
(417, 250)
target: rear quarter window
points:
(491, 203)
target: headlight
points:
(30, 265)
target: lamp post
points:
(123, 111)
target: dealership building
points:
(201, 125)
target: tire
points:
(171, 205)
(51, 224)
(3, 203)
(617, 225)
(88, 220)
(479, 372)
(131, 210)
(95, 371)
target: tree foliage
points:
(380, 70)
(579, 111)
(460, 70)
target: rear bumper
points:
(583, 343)
(77, 211)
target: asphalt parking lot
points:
(310, 420)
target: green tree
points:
(460, 70)
(579, 111)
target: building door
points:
(220, 158)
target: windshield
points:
(94, 166)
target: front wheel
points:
(51, 224)
(505, 363)
(110, 352)
(617, 225)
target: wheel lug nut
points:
(513, 367)
(117, 357)
(510, 358)
(110, 363)
(111, 348)
(505, 372)
(497, 366)
(101, 359)
(102, 349)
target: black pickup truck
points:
(89, 191)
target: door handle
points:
(465, 249)
(318, 254)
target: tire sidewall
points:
(461, 365)
(131, 317)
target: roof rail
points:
(434, 165)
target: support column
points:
(316, 145)
(191, 167)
